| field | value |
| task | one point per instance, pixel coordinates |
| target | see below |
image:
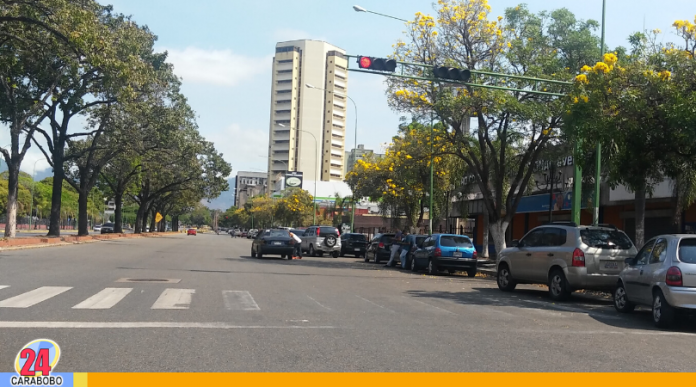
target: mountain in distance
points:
(225, 200)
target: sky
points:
(223, 50)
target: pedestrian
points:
(297, 254)
(406, 247)
(394, 248)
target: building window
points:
(282, 111)
(339, 87)
(340, 77)
(285, 81)
(284, 91)
(338, 126)
(283, 122)
(284, 71)
(283, 101)
(336, 146)
(339, 96)
(340, 67)
(287, 49)
(285, 61)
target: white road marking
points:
(126, 325)
(318, 303)
(105, 299)
(383, 307)
(4, 286)
(432, 306)
(33, 297)
(174, 299)
(239, 300)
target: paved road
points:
(224, 311)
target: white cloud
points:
(244, 148)
(285, 34)
(216, 67)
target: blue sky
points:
(223, 51)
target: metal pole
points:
(316, 171)
(552, 176)
(598, 171)
(355, 147)
(432, 168)
(381, 14)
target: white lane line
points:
(105, 299)
(239, 300)
(318, 303)
(383, 307)
(125, 325)
(432, 306)
(33, 297)
(174, 299)
(4, 286)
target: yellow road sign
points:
(158, 217)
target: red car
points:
(191, 231)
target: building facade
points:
(308, 125)
(248, 185)
(354, 155)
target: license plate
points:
(277, 243)
(457, 254)
(611, 265)
(357, 249)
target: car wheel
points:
(558, 286)
(376, 257)
(312, 252)
(621, 302)
(471, 273)
(335, 254)
(432, 269)
(414, 267)
(253, 253)
(504, 278)
(663, 313)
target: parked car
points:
(97, 228)
(354, 244)
(566, 257)
(417, 242)
(449, 252)
(379, 248)
(273, 241)
(662, 275)
(299, 233)
(244, 234)
(191, 231)
(107, 228)
(318, 240)
(251, 234)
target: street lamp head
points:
(309, 86)
(358, 8)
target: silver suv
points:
(566, 257)
(318, 240)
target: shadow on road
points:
(600, 310)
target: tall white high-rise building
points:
(299, 114)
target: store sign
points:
(293, 180)
(545, 165)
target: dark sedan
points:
(379, 248)
(274, 241)
(107, 228)
(353, 244)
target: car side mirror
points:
(630, 261)
(515, 243)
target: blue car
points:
(449, 252)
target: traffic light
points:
(452, 73)
(379, 64)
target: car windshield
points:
(455, 241)
(603, 238)
(328, 230)
(358, 237)
(278, 233)
(687, 250)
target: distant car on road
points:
(97, 228)
(107, 228)
(273, 241)
(662, 275)
(191, 231)
(449, 252)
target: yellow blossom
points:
(586, 68)
(582, 78)
(584, 98)
(609, 58)
(601, 67)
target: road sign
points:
(158, 217)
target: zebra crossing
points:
(107, 298)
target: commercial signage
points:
(293, 179)
(539, 166)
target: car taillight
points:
(437, 252)
(474, 255)
(317, 232)
(381, 245)
(338, 232)
(578, 258)
(674, 277)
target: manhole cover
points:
(151, 280)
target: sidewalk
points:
(20, 243)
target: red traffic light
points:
(365, 62)
(379, 64)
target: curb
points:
(36, 243)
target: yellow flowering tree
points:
(294, 208)
(509, 129)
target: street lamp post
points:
(598, 170)
(316, 171)
(355, 147)
(358, 8)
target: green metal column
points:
(598, 171)
(432, 168)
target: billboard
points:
(293, 179)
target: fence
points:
(370, 232)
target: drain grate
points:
(151, 280)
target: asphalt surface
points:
(223, 311)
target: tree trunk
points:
(140, 218)
(486, 231)
(56, 196)
(498, 230)
(175, 223)
(12, 190)
(640, 216)
(153, 224)
(118, 218)
(82, 228)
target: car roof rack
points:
(565, 223)
(607, 225)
